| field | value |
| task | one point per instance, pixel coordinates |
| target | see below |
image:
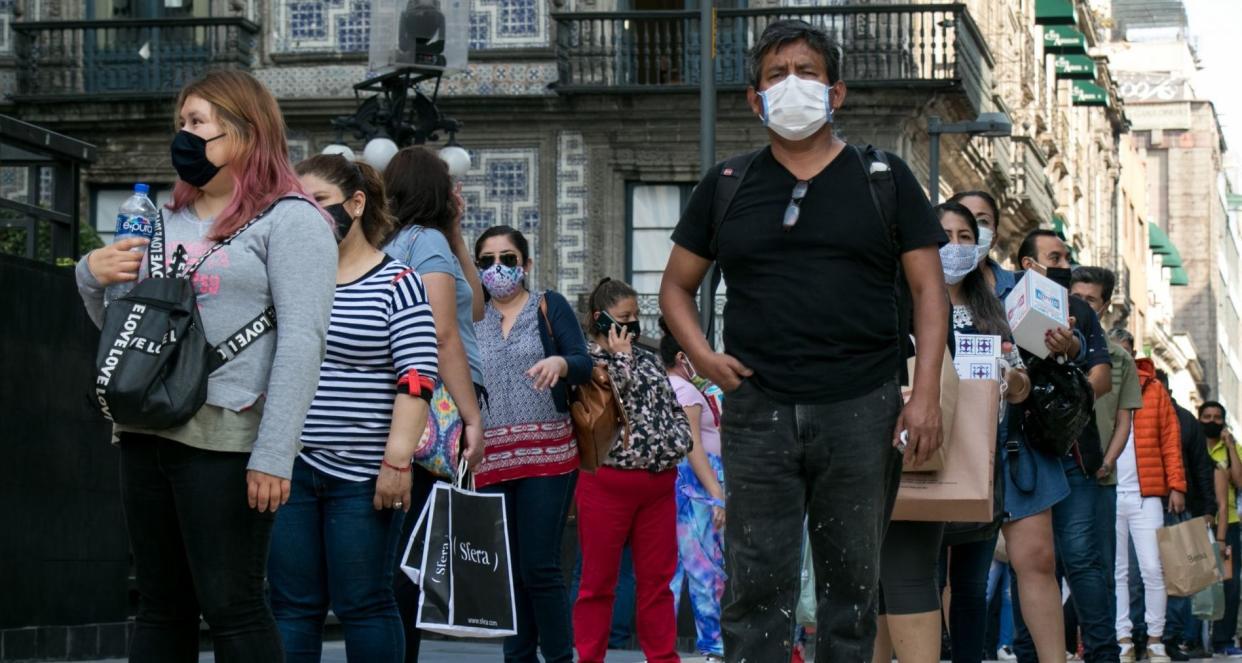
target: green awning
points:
(1172, 259)
(1064, 39)
(1087, 93)
(1075, 66)
(1158, 240)
(1178, 276)
(1055, 12)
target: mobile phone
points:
(605, 322)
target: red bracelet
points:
(403, 470)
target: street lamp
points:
(987, 125)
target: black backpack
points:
(883, 191)
(153, 359)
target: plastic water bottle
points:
(135, 218)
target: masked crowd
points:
(291, 488)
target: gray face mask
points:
(985, 240)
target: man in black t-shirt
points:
(813, 417)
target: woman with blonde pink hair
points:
(200, 498)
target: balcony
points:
(933, 45)
(1035, 195)
(109, 60)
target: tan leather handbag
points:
(598, 417)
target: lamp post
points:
(707, 139)
(987, 125)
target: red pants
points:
(616, 506)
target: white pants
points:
(1140, 517)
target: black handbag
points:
(1059, 408)
(154, 360)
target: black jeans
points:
(835, 461)
(198, 549)
(965, 566)
(536, 509)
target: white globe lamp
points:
(378, 152)
(343, 150)
(458, 160)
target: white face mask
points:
(958, 260)
(985, 240)
(796, 108)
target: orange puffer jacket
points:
(1157, 437)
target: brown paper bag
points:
(962, 491)
(1187, 556)
(948, 406)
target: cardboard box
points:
(976, 356)
(977, 368)
(1035, 306)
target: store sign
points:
(1159, 116)
(1064, 39)
(1075, 66)
(1086, 93)
(1152, 86)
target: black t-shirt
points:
(813, 310)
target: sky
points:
(1215, 24)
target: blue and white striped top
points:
(381, 328)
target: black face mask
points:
(189, 158)
(1060, 276)
(1213, 430)
(605, 322)
(342, 218)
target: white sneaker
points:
(1006, 654)
(1157, 654)
(1127, 652)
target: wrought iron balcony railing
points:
(113, 59)
(911, 44)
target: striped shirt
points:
(381, 328)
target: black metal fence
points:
(126, 58)
(649, 50)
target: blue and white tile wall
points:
(571, 214)
(345, 25)
(6, 20)
(502, 187)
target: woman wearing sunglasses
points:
(532, 348)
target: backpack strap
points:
(242, 338)
(155, 250)
(732, 173)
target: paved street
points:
(460, 652)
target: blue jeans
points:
(1223, 630)
(1077, 550)
(998, 590)
(966, 567)
(330, 546)
(536, 509)
(1106, 541)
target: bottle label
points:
(134, 224)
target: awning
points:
(1055, 12)
(1087, 93)
(1075, 66)
(1172, 259)
(1064, 39)
(1178, 276)
(1158, 240)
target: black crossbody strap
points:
(226, 241)
(155, 250)
(243, 338)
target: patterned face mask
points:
(958, 260)
(502, 282)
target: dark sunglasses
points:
(795, 204)
(507, 259)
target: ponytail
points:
(350, 177)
